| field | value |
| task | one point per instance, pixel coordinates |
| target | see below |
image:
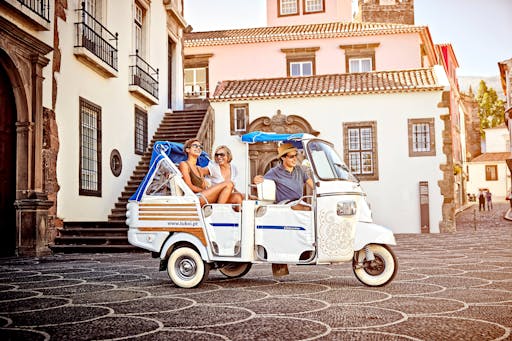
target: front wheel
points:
(378, 272)
(186, 268)
(234, 270)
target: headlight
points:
(346, 207)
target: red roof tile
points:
(328, 85)
(492, 157)
(295, 32)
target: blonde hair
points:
(229, 155)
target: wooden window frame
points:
(312, 12)
(232, 115)
(359, 51)
(287, 15)
(85, 104)
(488, 176)
(140, 113)
(432, 136)
(375, 160)
(300, 55)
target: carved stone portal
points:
(263, 156)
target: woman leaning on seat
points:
(223, 170)
(193, 176)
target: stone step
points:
(94, 248)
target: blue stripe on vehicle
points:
(224, 224)
(280, 227)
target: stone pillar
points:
(31, 225)
(447, 184)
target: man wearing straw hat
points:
(289, 178)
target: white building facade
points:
(393, 186)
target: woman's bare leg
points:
(218, 193)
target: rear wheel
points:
(234, 270)
(186, 268)
(378, 272)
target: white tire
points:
(379, 272)
(186, 268)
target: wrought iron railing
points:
(93, 36)
(143, 75)
(39, 7)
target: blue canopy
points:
(175, 152)
(259, 136)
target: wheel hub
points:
(186, 267)
(375, 267)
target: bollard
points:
(474, 219)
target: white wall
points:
(477, 180)
(497, 140)
(117, 109)
(395, 196)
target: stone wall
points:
(472, 124)
(50, 185)
(386, 11)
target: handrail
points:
(39, 7)
(95, 37)
(143, 75)
(205, 132)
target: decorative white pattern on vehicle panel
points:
(335, 237)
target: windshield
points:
(161, 184)
(327, 164)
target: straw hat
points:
(284, 149)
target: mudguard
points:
(370, 233)
(184, 237)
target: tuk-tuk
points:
(165, 217)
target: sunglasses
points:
(195, 145)
(220, 154)
(291, 156)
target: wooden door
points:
(7, 166)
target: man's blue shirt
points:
(289, 186)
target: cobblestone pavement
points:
(449, 287)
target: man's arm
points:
(309, 182)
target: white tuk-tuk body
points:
(164, 214)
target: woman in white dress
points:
(221, 170)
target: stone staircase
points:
(111, 236)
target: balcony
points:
(143, 79)
(36, 13)
(95, 45)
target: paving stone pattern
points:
(449, 287)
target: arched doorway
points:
(7, 166)
(263, 156)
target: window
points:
(196, 75)
(360, 57)
(195, 82)
(360, 149)
(239, 114)
(301, 68)
(313, 6)
(138, 29)
(300, 61)
(90, 149)
(141, 131)
(421, 137)
(288, 7)
(491, 172)
(360, 65)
